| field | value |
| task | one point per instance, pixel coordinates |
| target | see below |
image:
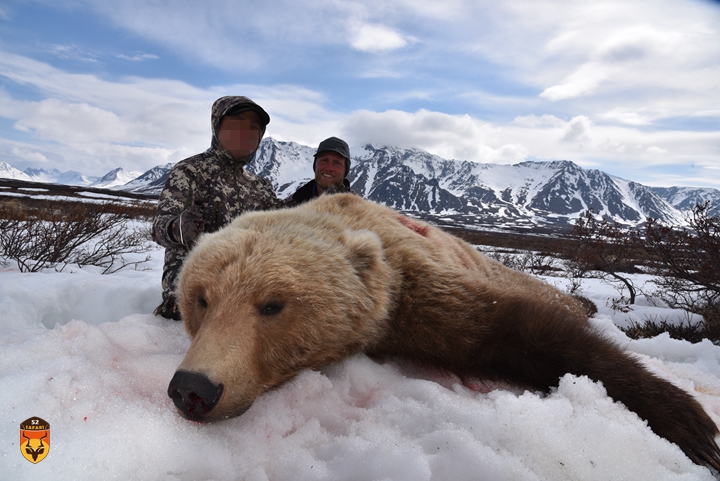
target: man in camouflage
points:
(206, 191)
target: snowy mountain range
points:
(115, 179)
(526, 195)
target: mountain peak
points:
(116, 178)
(7, 171)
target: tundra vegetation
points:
(52, 234)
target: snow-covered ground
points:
(84, 352)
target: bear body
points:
(277, 292)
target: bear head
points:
(269, 296)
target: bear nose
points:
(194, 394)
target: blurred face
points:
(329, 169)
(240, 134)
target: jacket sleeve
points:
(176, 196)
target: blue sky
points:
(628, 87)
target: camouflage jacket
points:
(212, 183)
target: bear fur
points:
(277, 292)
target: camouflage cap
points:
(235, 104)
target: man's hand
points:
(187, 227)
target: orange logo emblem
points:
(34, 439)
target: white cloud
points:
(28, 155)
(582, 82)
(72, 52)
(52, 119)
(224, 34)
(9, 107)
(383, 72)
(620, 57)
(656, 150)
(375, 38)
(577, 130)
(450, 136)
(125, 93)
(538, 121)
(142, 122)
(628, 116)
(138, 57)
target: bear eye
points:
(202, 302)
(271, 308)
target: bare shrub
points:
(687, 262)
(619, 304)
(608, 249)
(508, 259)
(652, 326)
(540, 263)
(55, 236)
(525, 260)
(574, 273)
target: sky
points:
(628, 87)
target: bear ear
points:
(366, 250)
(367, 256)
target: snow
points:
(32, 189)
(88, 197)
(84, 352)
(371, 174)
(96, 195)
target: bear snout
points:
(194, 394)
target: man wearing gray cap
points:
(331, 166)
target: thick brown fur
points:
(278, 292)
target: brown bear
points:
(277, 292)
